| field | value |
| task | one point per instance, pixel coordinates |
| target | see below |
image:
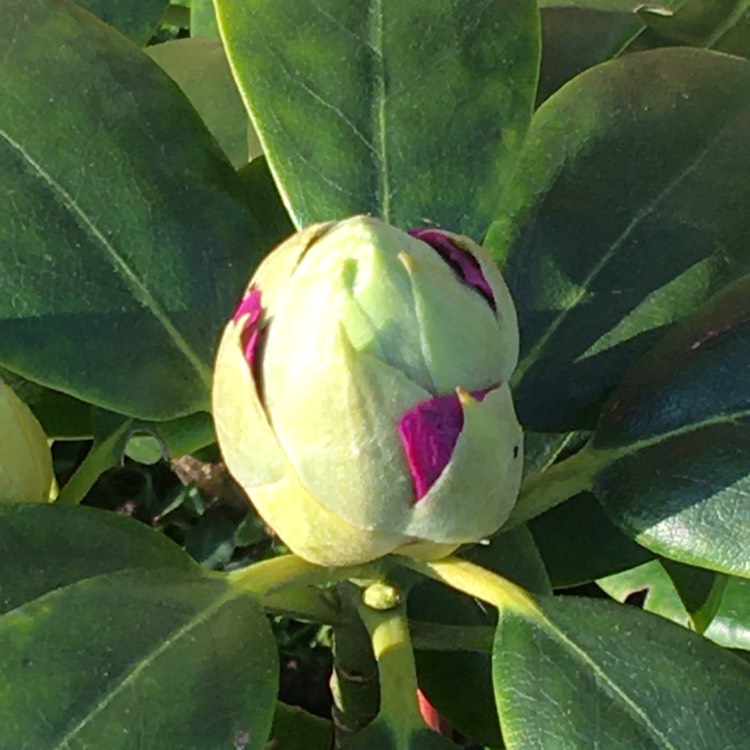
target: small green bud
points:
(361, 392)
(25, 458)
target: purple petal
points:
(252, 309)
(429, 432)
(463, 263)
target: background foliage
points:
(151, 154)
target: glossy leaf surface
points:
(130, 245)
(611, 231)
(675, 437)
(587, 673)
(411, 112)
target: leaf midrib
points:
(631, 706)
(380, 129)
(135, 285)
(647, 209)
(146, 660)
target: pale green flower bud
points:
(361, 396)
(25, 458)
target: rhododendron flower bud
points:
(361, 393)
(25, 458)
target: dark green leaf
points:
(411, 111)
(579, 673)
(579, 543)
(46, 547)
(111, 637)
(200, 68)
(542, 449)
(137, 19)
(575, 39)
(674, 440)
(137, 660)
(263, 194)
(722, 25)
(699, 590)
(628, 210)
(135, 243)
(61, 416)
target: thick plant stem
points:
(267, 577)
(383, 612)
(354, 682)
(475, 581)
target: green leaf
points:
(470, 710)
(628, 210)
(542, 449)
(61, 416)
(715, 24)
(137, 19)
(699, 590)
(581, 673)
(149, 442)
(46, 547)
(575, 39)
(111, 435)
(203, 19)
(135, 243)
(200, 68)
(112, 635)
(579, 543)
(296, 729)
(172, 661)
(674, 441)
(730, 624)
(263, 194)
(413, 112)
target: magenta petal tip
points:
(463, 263)
(251, 307)
(429, 432)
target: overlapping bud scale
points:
(361, 395)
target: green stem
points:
(102, 456)
(267, 577)
(354, 682)
(391, 645)
(542, 492)
(309, 604)
(475, 581)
